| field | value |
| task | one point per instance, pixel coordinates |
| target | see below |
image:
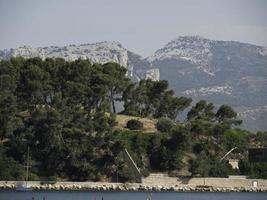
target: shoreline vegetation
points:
(67, 113)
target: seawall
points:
(158, 184)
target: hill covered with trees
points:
(65, 112)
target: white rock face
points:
(204, 91)
(194, 49)
(263, 51)
(152, 74)
(101, 52)
(250, 113)
(222, 72)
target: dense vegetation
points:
(65, 112)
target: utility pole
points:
(27, 165)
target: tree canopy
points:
(65, 112)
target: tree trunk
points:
(113, 105)
(112, 102)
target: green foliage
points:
(202, 110)
(124, 172)
(206, 166)
(7, 114)
(260, 138)
(164, 125)
(116, 81)
(10, 169)
(225, 112)
(253, 170)
(65, 113)
(168, 150)
(151, 98)
(198, 148)
(134, 124)
(258, 170)
(236, 138)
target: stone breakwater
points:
(102, 186)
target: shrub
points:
(253, 170)
(134, 124)
(198, 148)
(164, 125)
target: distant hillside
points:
(223, 72)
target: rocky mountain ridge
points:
(196, 50)
(223, 72)
(100, 52)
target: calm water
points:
(85, 195)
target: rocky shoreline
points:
(94, 186)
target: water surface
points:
(88, 195)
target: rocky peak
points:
(100, 52)
(194, 49)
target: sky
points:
(142, 26)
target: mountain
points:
(223, 72)
(100, 52)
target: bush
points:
(10, 169)
(134, 124)
(198, 148)
(164, 125)
(209, 166)
(253, 170)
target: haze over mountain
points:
(223, 72)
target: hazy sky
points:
(142, 26)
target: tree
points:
(136, 100)
(76, 77)
(45, 130)
(170, 106)
(124, 171)
(7, 83)
(236, 138)
(34, 85)
(8, 100)
(8, 110)
(151, 98)
(10, 169)
(209, 166)
(115, 80)
(224, 113)
(253, 170)
(63, 110)
(202, 110)
(164, 125)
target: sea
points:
(89, 195)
